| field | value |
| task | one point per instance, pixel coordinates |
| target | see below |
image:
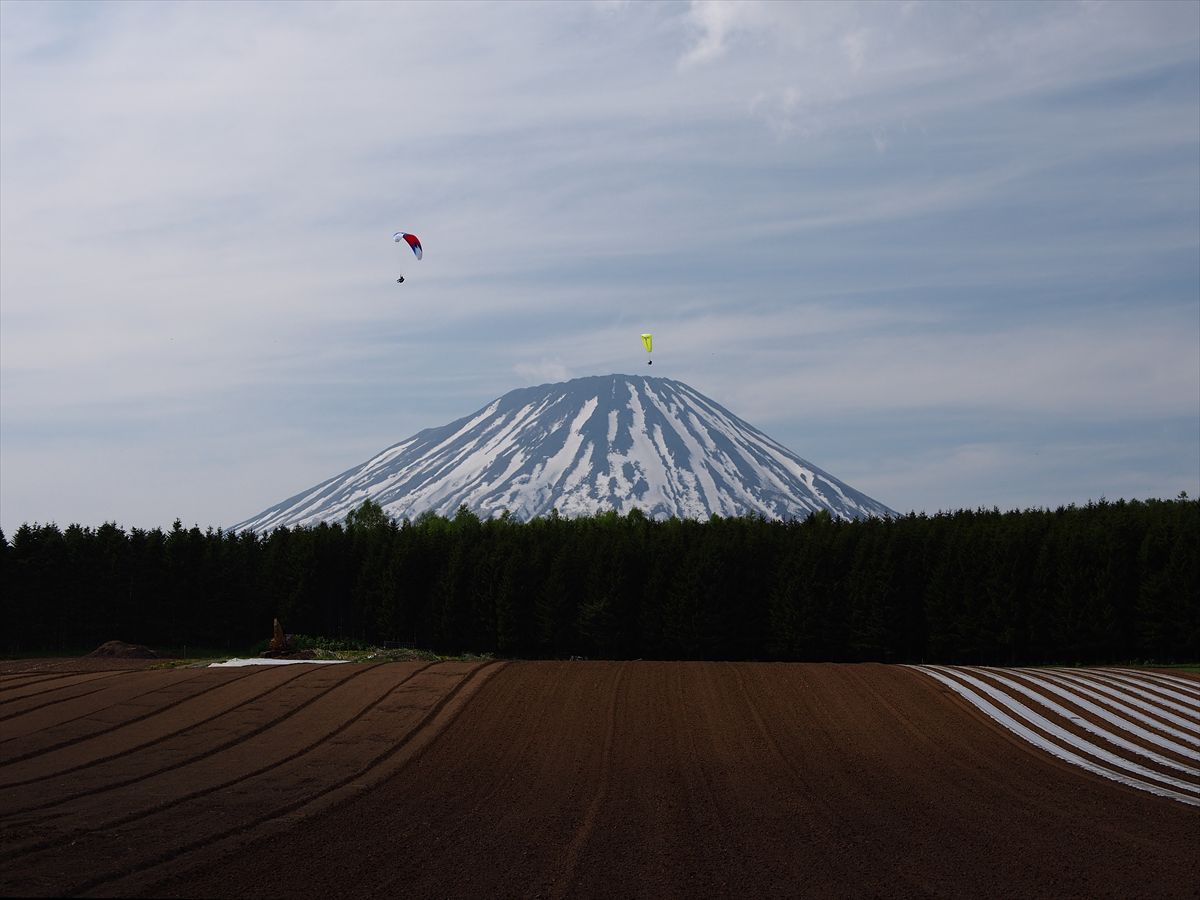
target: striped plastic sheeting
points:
(1141, 729)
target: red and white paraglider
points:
(413, 241)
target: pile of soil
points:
(122, 650)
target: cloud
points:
(837, 210)
(716, 20)
(543, 371)
(1017, 472)
(854, 45)
(1125, 367)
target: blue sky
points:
(950, 253)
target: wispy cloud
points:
(713, 22)
(543, 371)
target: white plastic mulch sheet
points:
(263, 661)
(1136, 727)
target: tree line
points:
(1102, 583)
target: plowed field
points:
(634, 779)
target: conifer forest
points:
(1108, 582)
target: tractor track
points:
(38, 733)
(95, 759)
(329, 795)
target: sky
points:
(948, 252)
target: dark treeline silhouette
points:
(1103, 583)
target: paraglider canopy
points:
(411, 239)
(648, 343)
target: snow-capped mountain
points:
(611, 442)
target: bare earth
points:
(544, 779)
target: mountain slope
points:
(592, 444)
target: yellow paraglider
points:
(648, 343)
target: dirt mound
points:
(122, 650)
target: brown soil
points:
(565, 779)
(17, 668)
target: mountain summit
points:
(611, 442)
